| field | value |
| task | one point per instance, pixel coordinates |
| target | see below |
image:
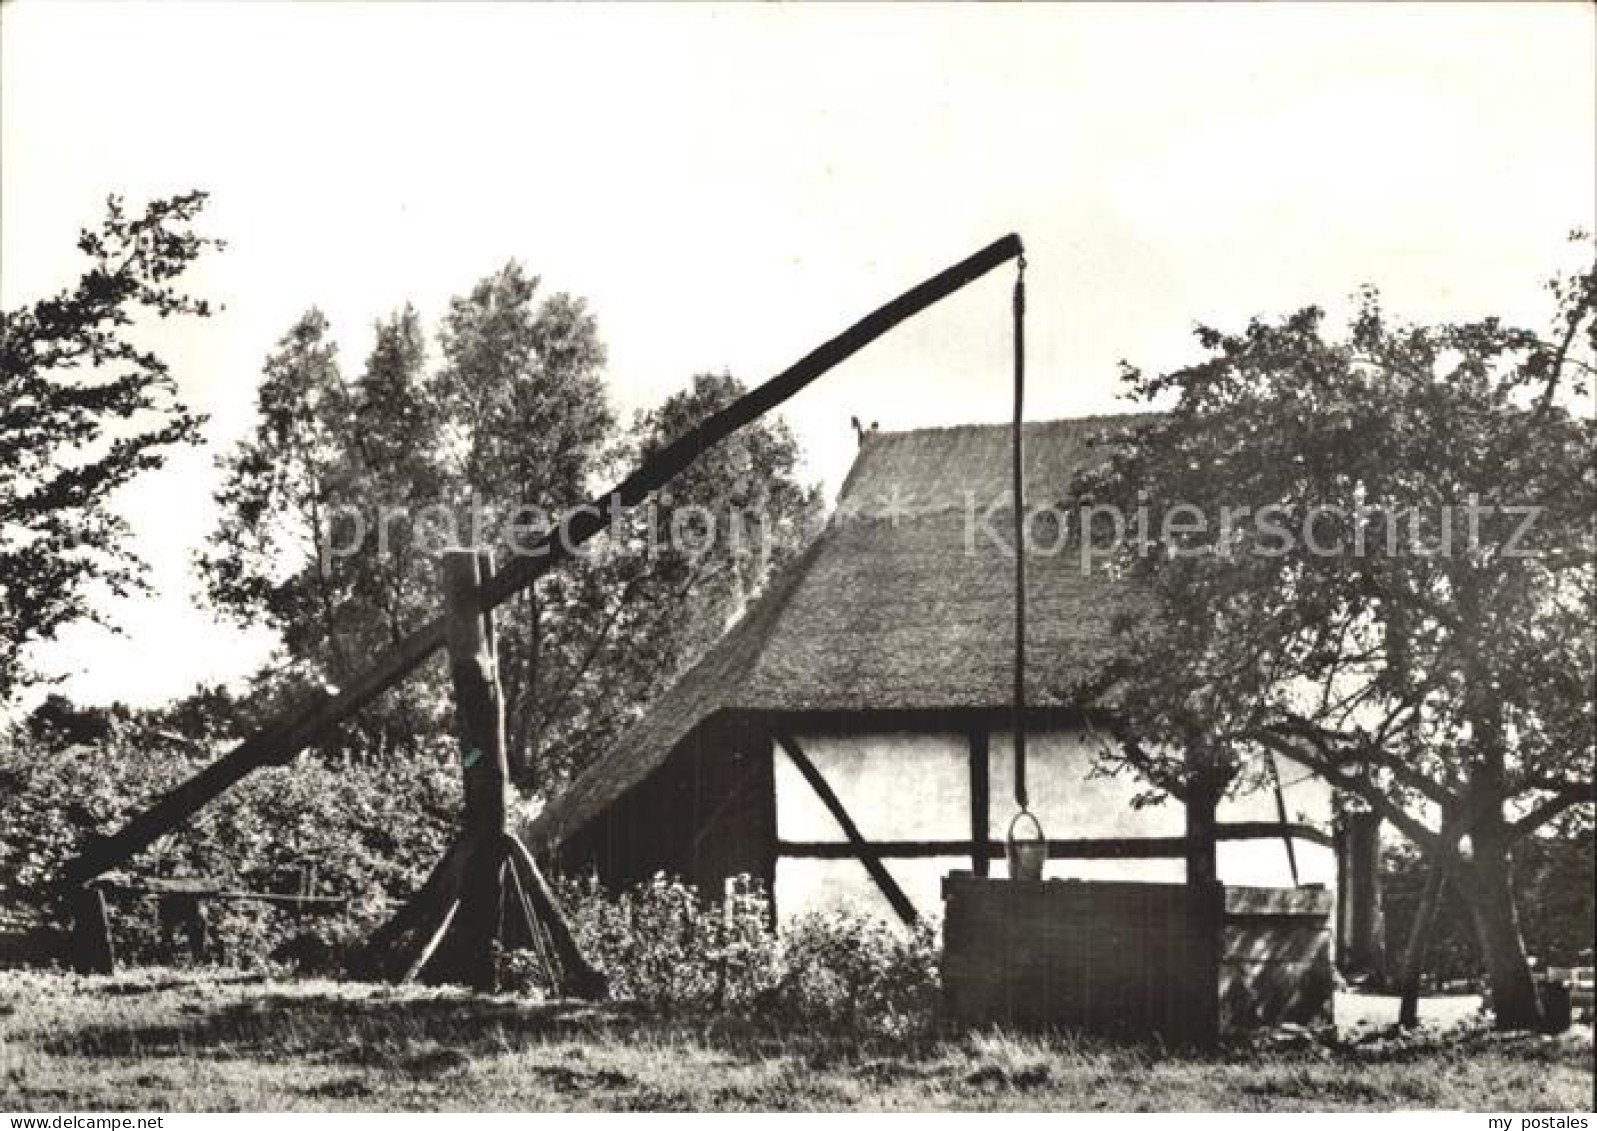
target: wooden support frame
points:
(284, 737)
(487, 889)
(859, 847)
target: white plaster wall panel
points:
(1307, 797)
(1263, 863)
(894, 786)
(810, 886)
(900, 786)
(1069, 800)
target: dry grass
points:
(156, 1040)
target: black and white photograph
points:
(776, 557)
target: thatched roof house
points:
(885, 652)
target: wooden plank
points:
(884, 849)
(288, 734)
(861, 848)
(1102, 848)
(1280, 815)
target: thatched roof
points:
(905, 602)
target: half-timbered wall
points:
(730, 801)
(910, 795)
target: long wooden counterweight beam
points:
(281, 740)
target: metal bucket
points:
(1026, 857)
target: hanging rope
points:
(1018, 719)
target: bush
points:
(660, 945)
(845, 972)
(840, 972)
(370, 831)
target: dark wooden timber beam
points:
(1264, 830)
(583, 522)
(280, 740)
(153, 890)
(857, 845)
(274, 744)
(1081, 848)
(980, 798)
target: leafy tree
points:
(526, 424)
(84, 409)
(393, 453)
(625, 620)
(1404, 605)
(317, 537)
(278, 493)
(725, 522)
(336, 503)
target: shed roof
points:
(904, 602)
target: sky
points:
(728, 187)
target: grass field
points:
(153, 1040)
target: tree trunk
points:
(1203, 788)
(487, 894)
(479, 722)
(1364, 942)
(1490, 899)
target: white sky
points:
(729, 187)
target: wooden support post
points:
(479, 714)
(579, 977)
(1419, 937)
(487, 890)
(92, 949)
(480, 727)
(980, 801)
(1364, 946)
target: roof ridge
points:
(981, 426)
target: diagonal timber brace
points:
(279, 741)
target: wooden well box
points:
(1132, 960)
